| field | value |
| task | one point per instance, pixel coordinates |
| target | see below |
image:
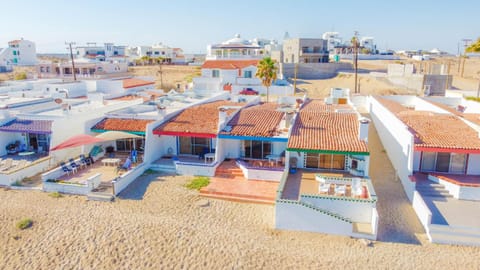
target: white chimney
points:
(161, 111)
(363, 128)
(222, 117)
(288, 119)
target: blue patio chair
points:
(73, 164)
(84, 160)
(65, 168)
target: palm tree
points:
(267, 72)
(355, 44)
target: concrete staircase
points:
(100, 196)
(428, 188)
(164, 168)
(228, 171)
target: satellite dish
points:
(58, 101)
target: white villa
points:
(168, 54)
(19, 52)
(237, 77)
(325, 187)
(239, 48)
(434, 146)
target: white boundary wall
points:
(120, 183)
(397, 141)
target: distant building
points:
(107, 52)
(84, 68)
(239, 48)
(167, 54)
(333, 39)
(305, 50)
(19, 52)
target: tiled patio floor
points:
(230, 184)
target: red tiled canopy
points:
(120, 124)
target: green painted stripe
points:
(328, 152)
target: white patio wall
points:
(120, 183)
(356, 210)
(10, 177)
(292, 216)
(397, 141)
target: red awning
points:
(77, 140)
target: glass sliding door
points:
(256, 149)
(325, 161)
(457, 163)
(443, 162)
(428, 161)
(193, 146)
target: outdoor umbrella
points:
(77, 140)
(116, 135)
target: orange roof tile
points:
(472, 117)
(317, 127)
(229, 64)
(133, 82)
(120, 124)
(435, 130)
(256, 121)
(200, 119)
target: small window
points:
(247, 74)
(215, 73)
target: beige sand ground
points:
(157, 225)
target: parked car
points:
(248, 91)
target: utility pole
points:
(71, 57)
(355, 60)
(465, 45)
(160, 72)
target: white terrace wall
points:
(397, 141)
(292, 216)
(120, 183)
(356, 210)
(10, 177)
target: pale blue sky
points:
(192, 25)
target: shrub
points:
(25, 223)
(20, 76)
(55, 194)
(198, 182)
(473, 99)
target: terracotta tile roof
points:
(256, 121)
(317, 105)
(200, 119)
(391, 105)
(28, 126)
(434, 130)
(317, 127)
(120, 124)
(472, 117)
(229, 64)
(133, 82)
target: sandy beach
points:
(156, 224)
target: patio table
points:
(111, 161)
(209, 156)
(275, 158)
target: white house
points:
(239, 48)
(236, 76)
(434, 146)
(20, 52)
